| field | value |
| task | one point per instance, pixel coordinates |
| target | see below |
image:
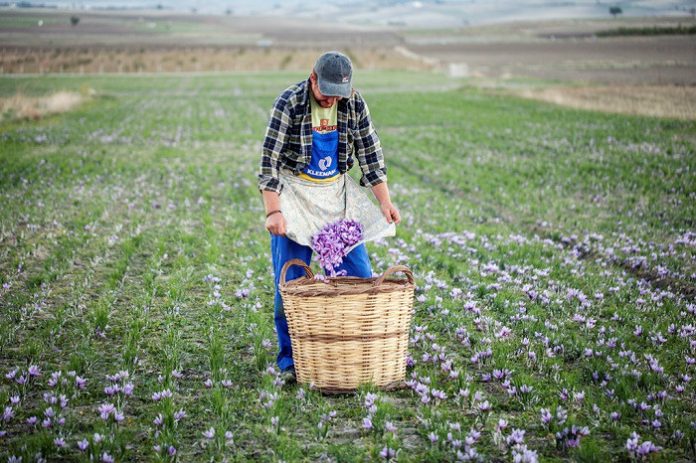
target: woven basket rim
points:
(334, 286)
(310, 286)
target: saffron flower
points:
(640, 450)
(178, 416)
(105, 410)
(8, 414)
(387, 453)
(333, 240)
(80, 382)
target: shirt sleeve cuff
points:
(269, 184)
(373, 178)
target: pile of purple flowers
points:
(333, 240)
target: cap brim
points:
(330, 89)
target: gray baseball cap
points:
(334, 74)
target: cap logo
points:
(346, 80)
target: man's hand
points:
(391, 213)
(275, 223)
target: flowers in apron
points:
(333, 240)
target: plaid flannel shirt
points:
(288, 140)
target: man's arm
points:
(269, 183)
(368, 149)
(371, 160)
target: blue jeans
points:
(356, 263)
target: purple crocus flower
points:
(638, 449)
(521, 454)
(157, 396)
(332, 241)
(105, 410)
(545, 415)
(80, 382)
(561, 415)
(55, 377)
(387, 453)
(8, 414)
(516, 437)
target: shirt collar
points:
(305, 97)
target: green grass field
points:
(554, 252)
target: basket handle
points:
(392, 270)
(290, 263)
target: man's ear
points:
(313, 76)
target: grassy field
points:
(554, 252)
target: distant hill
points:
(422, 13)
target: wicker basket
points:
(347, 331)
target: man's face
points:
(323, 100)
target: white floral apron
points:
(307, 206)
